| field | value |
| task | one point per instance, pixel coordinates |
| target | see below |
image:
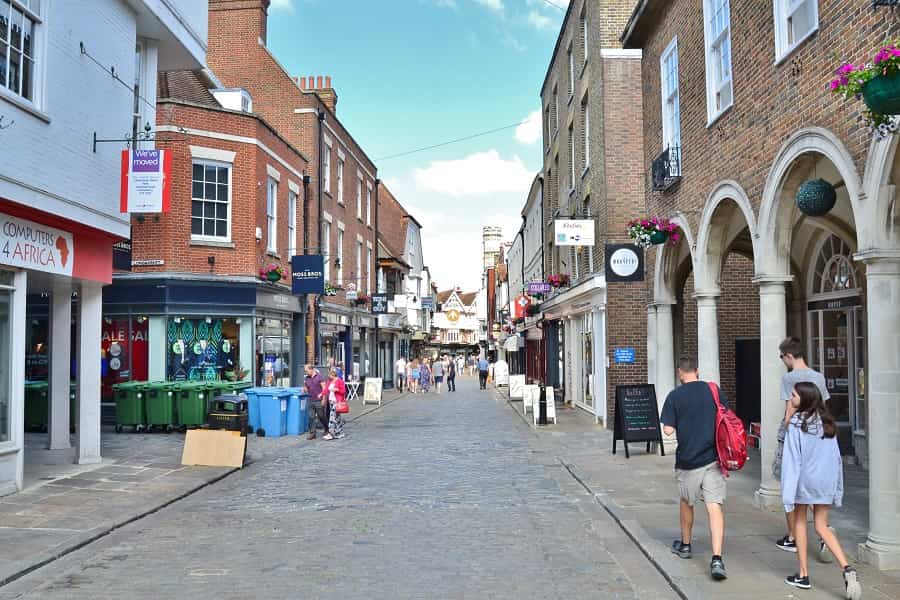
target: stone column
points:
(60, 365)
(708, 336)
(772, 330)
(665, 353)
(89, 324)
(651, 344)
(882, 546)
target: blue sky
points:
(412, 73)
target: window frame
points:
(198, 237)
(359, 246)
(340, 180)
(370, 266)
(326, 168)
(782, 13)
(671, 123)
(586, 122)
(369, 203)
(292, 222)
(339, 254)
(326, 249)
(271, 218)
(585, 34)
(571, 55)
(572, 157)
(713, 58)
(38, 53)
(359, 187)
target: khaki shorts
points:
(706, 484)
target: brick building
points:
(195, 293)
(725, 155)
(591, 99)
(343, 178)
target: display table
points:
(352, 390)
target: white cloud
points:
(282, 5)
(541, 21)
(494, 5)
(529, 131)
(446, 4)
(479, 174)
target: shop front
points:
(335, 337)
(580, 347)
(48, 265)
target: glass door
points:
(587, 360)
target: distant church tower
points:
(492, 241)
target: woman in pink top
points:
(334, 390)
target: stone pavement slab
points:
(66, 506)
(641, 494)
(426, 498)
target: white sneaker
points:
(852, 587)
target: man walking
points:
(400, 368)
(793, 355)
(451, 375)
(314, 407)
(691, 411)
(483, 366)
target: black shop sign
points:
(637, 417)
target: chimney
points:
(321, 85)
(239, 18)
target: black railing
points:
(666, 169)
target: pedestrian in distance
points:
(812, 476)
(317, 413)
(415, 375)
(451, 375)
(460, 365)
(471, 365)
(483, 367)
(437, 371)
(335, 390)
(400, 366)
(339, 369)
(425, 376)
(793, 355)
(690, 410)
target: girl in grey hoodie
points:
(812, 475)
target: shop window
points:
(273, 352)
(211, 200)
(19, 19)
(202, 349)
(124, 354)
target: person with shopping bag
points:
(334, 397)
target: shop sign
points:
(146, 181)
(624, 262)
(352, 294)
(30, 245)
(379, 304)
(307, 274)
(538, 287)
(150, 262)
(122, 255)
(427, 302)
(520, 306)
(835, 303)
(637, 417)
(574, 232)
(624, 355)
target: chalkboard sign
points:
(637, 417)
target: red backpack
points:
(731, 438)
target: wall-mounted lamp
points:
(258, 233)
(211, 260)
(209, 319)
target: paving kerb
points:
(18, 569)
(748, 525)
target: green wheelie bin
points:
(236, 387)
(129, 398)
(190, 403)
(160, 404)
(36, 407)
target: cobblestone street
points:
(429, 497)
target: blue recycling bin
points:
(253, 406)
(297, 421)
(273, 403)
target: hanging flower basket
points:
(332, 290)
(271, 272)
(878, 84)
(558, 280)
(362, 299)
(816, 197)
(653, 231)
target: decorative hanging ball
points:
(816, 197)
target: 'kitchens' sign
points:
(31, 245)
(146, 181)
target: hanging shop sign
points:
(520, 306)
(637, 417)
(538, 287)
(574, 232)
(30, 245)
(352, 294)
(427, 302)
(307, 274)
(121, 255)
(379, 304)
(624, 262)
(146, 181)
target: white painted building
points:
(70, 71)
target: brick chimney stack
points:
(321, 85)
(239, 18)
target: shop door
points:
(837, 350)
(746, 380)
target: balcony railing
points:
(666, 169)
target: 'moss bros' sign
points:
(30, 245)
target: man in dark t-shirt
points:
(690, 410)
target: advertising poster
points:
(146, 181)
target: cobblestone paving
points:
(429, 497)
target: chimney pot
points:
(328, 81)
(302, 82)
(319, 82)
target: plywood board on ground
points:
(214, 448)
